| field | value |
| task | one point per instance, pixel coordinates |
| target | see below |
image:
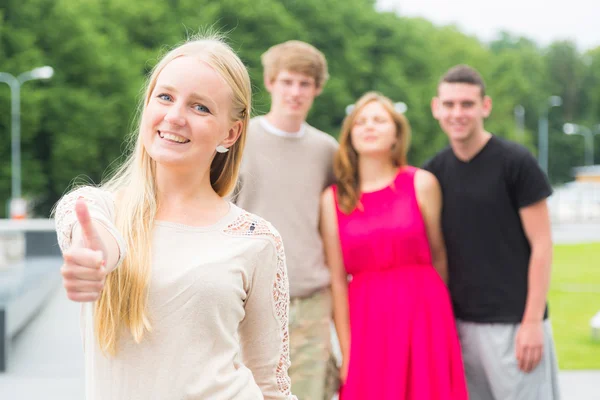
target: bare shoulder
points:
(426, 182)
(327, 200)
(427, 190)
(328, 209)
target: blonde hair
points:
(295, 56)
(345, 164)
(123, 301)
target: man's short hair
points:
(295, 56)
(464, 74)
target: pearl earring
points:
(222, 149)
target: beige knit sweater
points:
(218, 303)
(281, 179)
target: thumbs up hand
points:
(84, 269)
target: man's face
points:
(292, 94)
(460, 110)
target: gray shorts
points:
(491, 365)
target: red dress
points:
(404, 344)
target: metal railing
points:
(575, 202)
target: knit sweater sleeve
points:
(102, 210)
(264, 332)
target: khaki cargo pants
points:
(313, 371)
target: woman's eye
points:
(165, 97)
(201, 108)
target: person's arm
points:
(529, 189)
(530, 338)
(339, 277)
(100, 206)
(264, 335)
(429, 197)
(89, 242)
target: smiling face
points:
(292, 94)
(461, 109)
(374, 130)
(188, 115)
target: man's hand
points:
(84, 270)
(529, 345)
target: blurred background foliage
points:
(101, 51)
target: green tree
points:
(102, 51)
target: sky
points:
(543, 21)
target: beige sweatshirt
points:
(281, 179)
(218, 303)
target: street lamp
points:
(45, 72)
(400, 107)
(519, 111)
(574, 129)
(553, 101)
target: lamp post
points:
(519, 111)
(553, 101)
(15, 91)
(588, 135)
(595, 131)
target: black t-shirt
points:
(488, 252)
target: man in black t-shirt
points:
(497, 230)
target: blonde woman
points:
(381, 228)
(190, 292)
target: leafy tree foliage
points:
(102, 50)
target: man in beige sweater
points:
(287, 164)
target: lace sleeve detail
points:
(251, 225)
(65, 218)
(281, 300)
(101, 207)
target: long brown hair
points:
(345, 165)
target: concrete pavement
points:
(46, 359)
